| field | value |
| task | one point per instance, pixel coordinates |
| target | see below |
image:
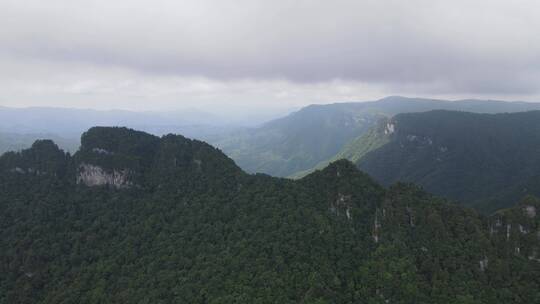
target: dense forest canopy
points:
(488, 161)
(135, 218)
(291, 145)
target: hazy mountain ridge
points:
(289, 146)
(190, 226)
(311, 137)
(297, 141)
(20, 127)
(18, 141)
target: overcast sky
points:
(223, 55)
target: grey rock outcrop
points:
(91, 175)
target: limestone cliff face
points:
(91, 175)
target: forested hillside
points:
(134, 218)
(307, 139)
(483, 160)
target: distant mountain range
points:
(285, 146)
(20, 127)
(494, 166)
(300, 141)
(135, 218)
(17, 141)
(67, 121)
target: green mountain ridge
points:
(307, 139)
(135, 218)
(355, 149)
(484, 160)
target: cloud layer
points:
(222, 50)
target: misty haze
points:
(206, 151)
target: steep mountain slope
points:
(484, 160)
(300, 141)
(133, 218)
(355, 149)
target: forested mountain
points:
(314, 134)
(298, 141)
(355, 149)
(484, 160)
(290, 146)
(135, 218)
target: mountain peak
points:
(42, 158)
(338, 169)
(342, 166)
(123, 157)
(342, 176)
(117, 140)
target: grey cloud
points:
(459, 47)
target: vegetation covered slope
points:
(302, 140)
(355, 149)
(298, 141)
(191, 227)
(485, 160)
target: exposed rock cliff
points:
(91, 175)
